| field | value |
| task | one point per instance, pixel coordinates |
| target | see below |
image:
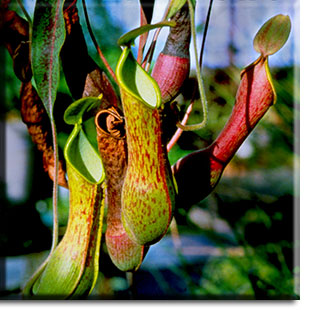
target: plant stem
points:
(199, 77)
(179, 131)
(25, 13)
(27, 290)
(150, 52)
(55, 186)
(206, 27)
(105, 62)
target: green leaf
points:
(129, 37)
(174, 6)
(272, 35)
(48, 37)
(74, 113)
(136, 81)
(83, 157)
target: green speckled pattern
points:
(148, 194)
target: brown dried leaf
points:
(98, 83)
(34, 116)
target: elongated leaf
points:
(47, 39)
(135, 80)
(129, 37)
(143, 21)
(174, 6)
(75, 111)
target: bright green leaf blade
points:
(80, 153)
(272, 35)
(48, 36)
(135, 80)
(174, 6)
(129, 37)
(74, 113)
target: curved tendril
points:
(199, 78)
